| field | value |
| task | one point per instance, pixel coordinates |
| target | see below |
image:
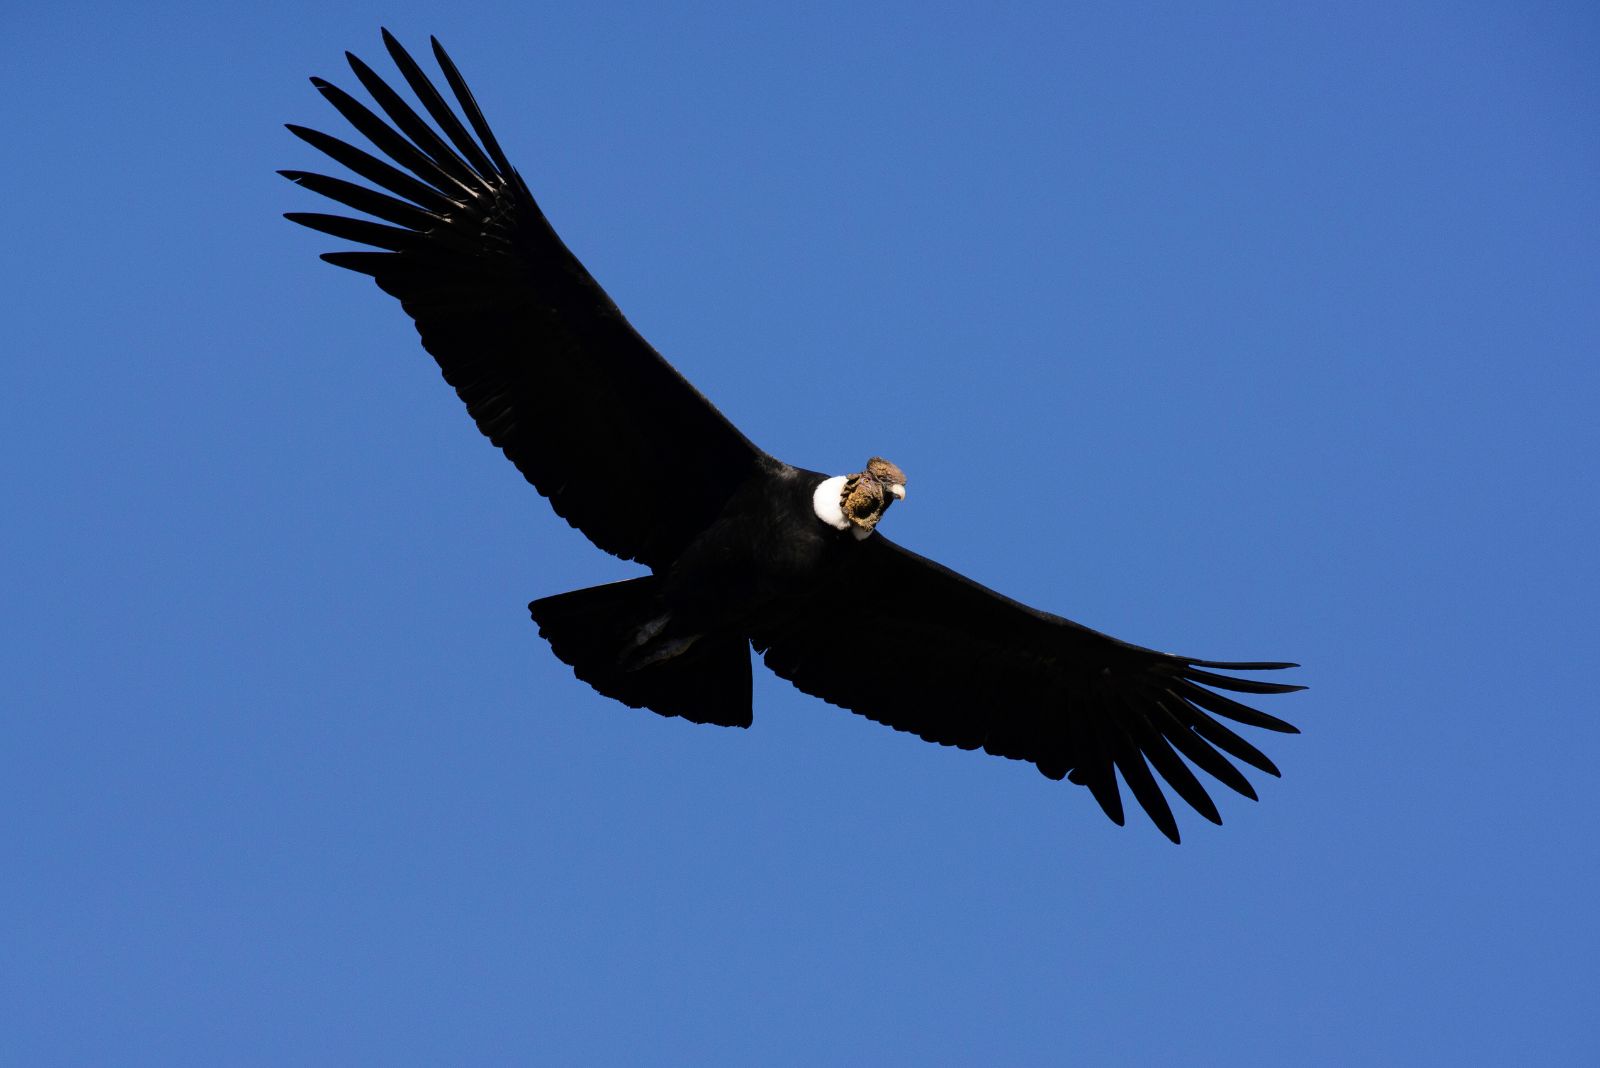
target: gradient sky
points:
(1251, 336)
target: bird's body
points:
(767, 546)
(744, 550)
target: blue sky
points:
(1248, 335)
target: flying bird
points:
(744, 551)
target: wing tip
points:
(1240, 665)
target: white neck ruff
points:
(825, 502)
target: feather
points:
(375, 170)
(437, 109)
(361, 198)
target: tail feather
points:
(597, 631)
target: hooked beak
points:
(898, 490)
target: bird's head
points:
(856, 502)
(887, 475)
(868, 494)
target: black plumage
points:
(744, 549)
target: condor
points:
(744, 550)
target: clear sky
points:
(1247, 335)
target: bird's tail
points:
(617, 639)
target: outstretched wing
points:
(626, 449)
(923, 649)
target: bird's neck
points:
(828, 502)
